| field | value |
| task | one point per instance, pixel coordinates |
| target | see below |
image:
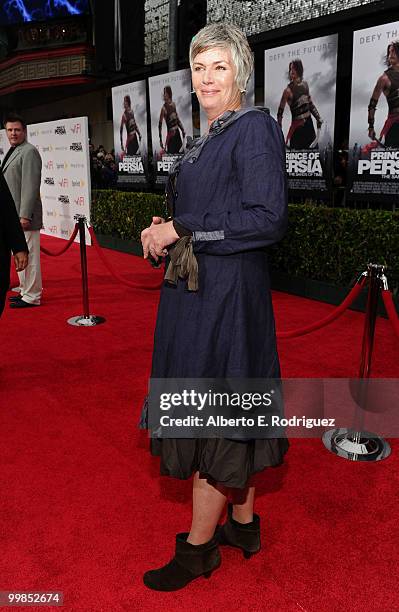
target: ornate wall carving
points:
(253, 16)
(256, 16)
(156, 23)
(19, 71)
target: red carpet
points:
(83, 509)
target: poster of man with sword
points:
(374, 120)
(300, 81)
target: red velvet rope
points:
(391, 310)
(352, 295)
(111, 270)
(64, 248)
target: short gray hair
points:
(226, 36)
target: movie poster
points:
(171, 119)
(130, 132)
(373, 169)
(300, 82)
(247, 100)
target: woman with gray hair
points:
(228, 202)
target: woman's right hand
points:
(156, 238)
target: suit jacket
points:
(22, 172)
(12, 237)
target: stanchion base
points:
(82, 321)
(355, 446)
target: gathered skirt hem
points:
(225, 462)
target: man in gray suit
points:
(21, 168)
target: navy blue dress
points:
(233, 198)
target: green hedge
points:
(333, 244)
(326, 244)
(124, 214)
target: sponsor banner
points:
(300, 83)
(65, 188)
(130, 132)
(247, 100)
(171, 119)
(373, 167)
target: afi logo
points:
(64, 183)
(53, 229)
(49, 165)
(76, 129)
(80, 201)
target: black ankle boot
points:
(240, 535)
(190, 562)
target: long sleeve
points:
(9, 221)
(31, 178)
(259, 170)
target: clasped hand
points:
(25, 223)
(157, 237)
(21, 260)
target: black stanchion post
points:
(374, 273)
(83, 266)
(355, 444)
(86, 319)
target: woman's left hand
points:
(156, 238)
